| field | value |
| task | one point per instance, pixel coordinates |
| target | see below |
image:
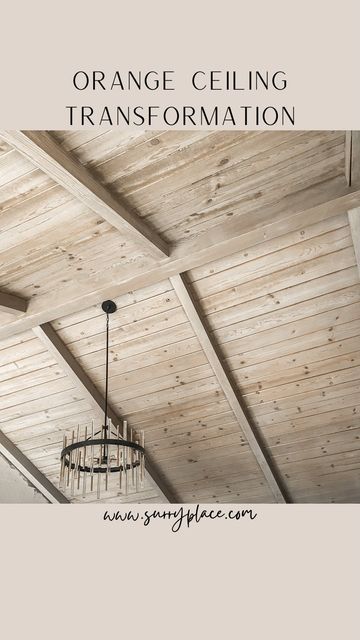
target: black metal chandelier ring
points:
(100, 441)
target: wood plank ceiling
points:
(233, 260)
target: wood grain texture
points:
(293, 213)
(225, 382)
(266, 228)
(40, 149)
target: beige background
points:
(291, 572)
(43, 43)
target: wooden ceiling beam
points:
(12, 304)
(71, 367)
(293, 213)
(211, 351)
(352, 158)
(42, 150)
(30, 471)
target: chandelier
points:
(90, 456)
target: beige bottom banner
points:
(175, 571)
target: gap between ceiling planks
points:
(211, 351)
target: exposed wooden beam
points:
(42, 150)
(71, 367)
(292, 213)
(12, 304)
(352, 158)
(28, 469)
(211, 351)
(354, 222)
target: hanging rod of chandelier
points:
(90, 456)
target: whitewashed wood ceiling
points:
(233, 260)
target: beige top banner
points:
(188, 65)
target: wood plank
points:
(20, 351)
(139, 311)
(69, 364)
(120, 155)
(329, 293)
(4, 147)
(294, 389)
(30, 380)
(338, 424)
(194, 409)
(342, 461)
(27, 365)
(300, 401)
(269, 247)
(30, 471)
(42, 150)
(274, 283)
(198, 207)
(164, 382)
(199, 178)
(283, 261)
(295, 345)
(41, 421)
(277, 337)
(146, 171)
(122, 302)
(332, 418)
(347, 440)
(24, 396)
(306, 207)
(226, 384)
(124, 333)
(166, 397)
(309, 409)
(12, 304)
(354, 222)
(13, 166)
(273, 370)
(44, 423)
(196, 469)
(23, 188)
(284, 306)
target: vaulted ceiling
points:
(234, 262)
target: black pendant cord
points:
(108, 307)
(106, 375)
